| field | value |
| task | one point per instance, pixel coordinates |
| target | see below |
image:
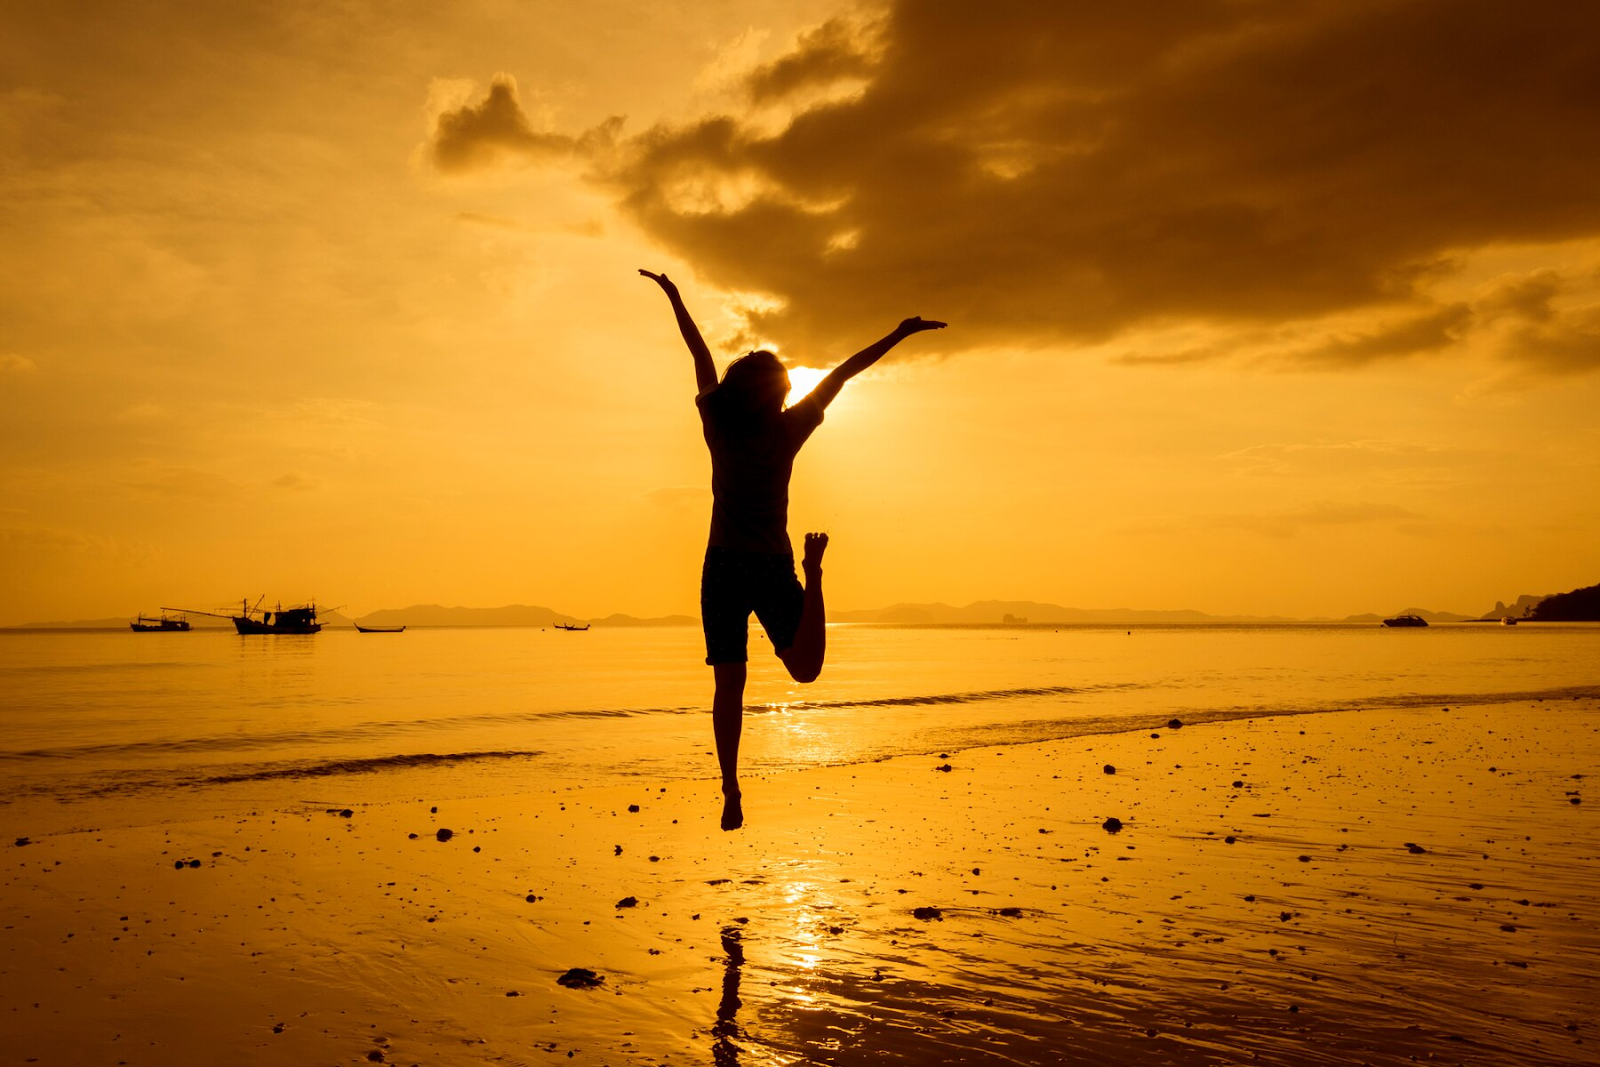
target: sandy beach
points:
(1374, 886)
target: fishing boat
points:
(1406, 620)
(145, 624)
(569, 626)
(1508, 621)
(281, 620)
(379, 629)
(298, 620)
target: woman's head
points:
(752, 388)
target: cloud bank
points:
(1070, 173)
(496, 131)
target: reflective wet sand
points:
(1374, 886)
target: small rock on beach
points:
(580, 978)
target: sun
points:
(802, 380)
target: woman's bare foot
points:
(811, 561)
(732, 812)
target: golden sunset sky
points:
(1255, 307)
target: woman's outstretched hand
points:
(916, 324)
(661, 280)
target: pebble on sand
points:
(1112, 825)
(23, 841)
(445, 833)
(927, 914)
(580, 978)
(627, 902)
(1174, 724)
(944, 767)
(1415, 849)
(1109, 769)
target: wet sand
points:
(1371, 886)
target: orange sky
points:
(1255, 307)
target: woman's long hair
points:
(751, 391)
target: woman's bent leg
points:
(804, 657)
(727, 723)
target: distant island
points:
(1580, 605)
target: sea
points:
(107, 727)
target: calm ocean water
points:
(212, 719)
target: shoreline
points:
(1316, 936)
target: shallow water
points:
(212, 716)
(241, 832)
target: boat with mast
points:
(301, 619)
(145, 624)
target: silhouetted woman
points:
(749, 564)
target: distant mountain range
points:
(511, 615)
(990, 612)
(1579, 604)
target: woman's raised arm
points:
(705, 371)
(829, 387)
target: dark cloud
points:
(836, 51)
(1567, 343)
(1428, 332)
(496, 131)
(1040, 174)
(1540, 326)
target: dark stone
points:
(628, 902)
(346, 813)
(512, 993)
(1230, 839)
(23, 841)
(375, 1056)
(1174, 724)
(1238, 783)
(1109, 769)
(1415, 849)
(179, 865)
(944, 767)
(194, 863)
(927, 914)
(580, 978)
(445, 833)
(531, 898)
(633, 807)
(412, 837)
(1112, 825)
(1011, 913)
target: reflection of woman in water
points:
(749, 563)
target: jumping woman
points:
(749, 564)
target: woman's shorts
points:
(733, 583)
